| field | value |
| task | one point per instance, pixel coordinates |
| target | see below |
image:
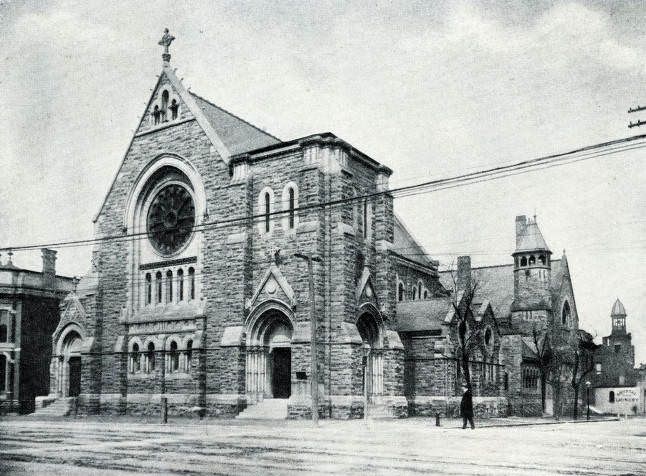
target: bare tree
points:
(583, 363)
(467, 341)
(545, 359)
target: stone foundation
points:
(348, 407)
(182, 405)
(483, 407)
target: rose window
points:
(171, 218)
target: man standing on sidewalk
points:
(466, 407)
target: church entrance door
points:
(75, 376)
(281, 372)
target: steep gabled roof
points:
(405, 245)
(237, 134)
(425, 315)
(494, 283)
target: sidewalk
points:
(509, 421)
(446, 423)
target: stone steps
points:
(60, 407)
(267, 409)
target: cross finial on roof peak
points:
(165, 41)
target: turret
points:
(532, 266)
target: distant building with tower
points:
(615, 379)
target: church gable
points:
(365, 291)
(165, 107)
(273, 285)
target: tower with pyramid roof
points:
(615, 360)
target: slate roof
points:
(618, 309)
(237, 134)
(531, 239)
(405, 245)
(425, 315)
(494, 283)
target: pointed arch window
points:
(180, 284)
(158, 287)
(164, 106)
(174, 108)
(189, 355)
(156, 115)
(135, 362)
(150, 357)
(149, 288)
(414, 293)
(173, 358)
(565, 314)
(532, 260)
(191, 283)
(523, 261)
(169, 286)
(265, 209)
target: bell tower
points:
(532, 266)
(618, 316)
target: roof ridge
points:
(234, 115)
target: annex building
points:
(29, 313)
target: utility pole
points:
(639, 122)
(314, 372)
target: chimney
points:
(49, 267)
(521, 228)
(464, 273)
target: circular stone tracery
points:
(171, 218)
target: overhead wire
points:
(541, 163)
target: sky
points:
(430, 89)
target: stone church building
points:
(200, 299)
(203, 300)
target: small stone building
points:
(614, 361)
(29, 314)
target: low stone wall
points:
(183, 405)
(347, 407)
(483, 407)
(526, 407)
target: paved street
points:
(412, 446)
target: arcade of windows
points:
(169, 286)
(289, 207)
(530, 376)
(530, 261)
(144, 360)
(419, 292)
(166, 109)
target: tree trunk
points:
(575, 413)
(543, 389)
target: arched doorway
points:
(370, 330)
(69, 368)
(269, 356)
